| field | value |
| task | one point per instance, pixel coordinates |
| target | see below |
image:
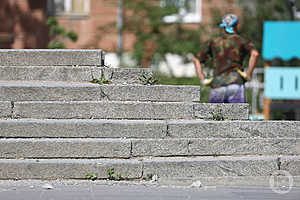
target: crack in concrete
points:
(278, 161)
(103, 95)
(188, 146)
(143, 168)
(92, 74)
(131, 148)
(12, 109)
(167, 131)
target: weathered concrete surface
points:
(226, 110)
(243, 147)
(67, 168)
(160, 147)
(291, 164)
(210, 167)
(148, 128)
(77, 91)
(101, 110)
(159, 93)
(5, 109)
(91, 128)
(126, 75)
(109, 110)
(65, 148)
(233, 129)
(47, 57)
(165, 168)
(50, 73)
(123, 76)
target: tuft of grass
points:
(148, 79)
(111, 175)
(101, 81)
(217, 114)
(91, 176)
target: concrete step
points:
(215, 147)
(73, 73)
(65, 148)
(128, 148)
(76, 91)
(126, 110)
(6, 109)
(55, 57)
(50, 73)
(189, 129)
(83, 128)
(233, 129)
(165, 168)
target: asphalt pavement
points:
(88, 190)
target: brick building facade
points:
(23, 24)
(24, 21)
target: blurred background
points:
(163, 35)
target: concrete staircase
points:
(55, 124)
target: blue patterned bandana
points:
(229, 21)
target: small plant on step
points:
(148, 177)
(101, 81)
(148, 79)
(217, 115)
(91, 176)
(112, 176)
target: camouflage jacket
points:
(227, 53)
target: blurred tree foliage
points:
(255, 12)
(58, 34)
(155, 36)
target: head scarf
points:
(229, 21)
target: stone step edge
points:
(171, 168)
(152, 110)
(130, 148)
(41, 57)
(103, 128)
(76, 73)
(79, 91)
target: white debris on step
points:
(154, 178)
(47, 187)
(196, 184)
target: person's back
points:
(228, 52)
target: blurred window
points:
(72, 7)
(189, 11)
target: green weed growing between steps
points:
(111, 175)
(148, 78)
(91, 176)
(101, 81)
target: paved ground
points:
(87, 190)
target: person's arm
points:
(198, 68)
(252, 62)
(200, 73)
(201, 57)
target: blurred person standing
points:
(228, 52)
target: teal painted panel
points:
(256, 117)
(282, 83)
(281, 40)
